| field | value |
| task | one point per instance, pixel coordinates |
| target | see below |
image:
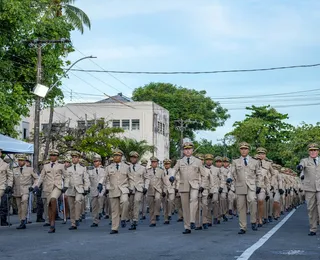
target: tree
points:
(127, 145)
(263, 127)
(183, 103)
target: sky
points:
(203, 35)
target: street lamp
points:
(41, 91)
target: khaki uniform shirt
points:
(157, 179)
(95, 175)
(224, 172)
(52, 176)
(311, 174)
(168, 186)
(139, 176)
(6, 175)
(23, 180)
(77, 180)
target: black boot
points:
(4, 221)
(133, 226)
(40, 219)
(22, 225)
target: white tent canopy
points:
(11, 145)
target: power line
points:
(280, 106)
(199, 72)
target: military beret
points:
(218, 159)
(261, 150)
(208, 156)
(244, 145)
(54, 152)
(313, 146)
(154, 159)
(167, 161)
(117, 152)
(97, 157)
(134, 154)
(225, 159)
(75, 153)
(21, 157)
(187, 145)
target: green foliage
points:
(128, 145)
(183, 103)
(205, 146)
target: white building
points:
(140, 120)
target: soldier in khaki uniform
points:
(155, 190)
(277, 191)
(143, 206)
(223, 189)
(170, 190)
(95, 175)
(188, 171)
(311, 185)
(118, 182)
(139, 186)
(77, 185)
(246, 174)
(51, 179)
(6, 177)
(24, 181)
(232, 202)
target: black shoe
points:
(241, 232)
(94, 225)
(186, 231)
(106, 216)
(157, 218)
(123, 223)
(265, 221)
(180, 220)
(46, 225)
(192, 225)
(52, 230)
(205, 226)
(254, 226)
(225, 219)
(78, 222)
(215, 221)
(259, 225)
(128, 220)
(73, 228)
(169, 218)
(83, 216)
(58, 218)
(40, 219)
(133, 227)
(230, 212)
(114, 232)
(270, 219)
(281, 213)
(166, 223)
(312, 234)
(198, 228)
(218, 222)
(210, 225)
(143, 218)
(64, 222)
(152, 225)
(275, 218)
(100, 215)
(22, 225)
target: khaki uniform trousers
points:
(95, 209)
(189, 201)
(135, 201)
(75, 204)
(178, 205)
(242, 200)
(107, 206)
(216, 207)
(154, 203)
(313, 206)
(54, 194)
(143, 205)
(168, 205)
(261, 205)
(232, 199)
(22, 203)
(223, 203)
(119, 206)
(203, 199)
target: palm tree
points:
(127, 145)
(73, 14)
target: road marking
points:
(247, 254)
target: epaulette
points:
(127, 163)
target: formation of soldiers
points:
(203, 190)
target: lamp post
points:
(41, 91)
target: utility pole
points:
(39, 44)
(182, 126)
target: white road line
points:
(247, 254)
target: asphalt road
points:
(290, 241)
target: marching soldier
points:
(188, 171)
(170, 190)
(246, 174)
(118, 182)
(277, 190)
(223, 189)
(24, 182)
(155, 190)
(6, 178)
(77, 186)
(144, 163)
(139, 186)
(96, 202)
(51, 179)
(311, 185)
(232, 202)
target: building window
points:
(126, 124)
(56, 127)
(135, 124)
(82, 123)
(25, 133)
(115, 123)
(161, 128)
